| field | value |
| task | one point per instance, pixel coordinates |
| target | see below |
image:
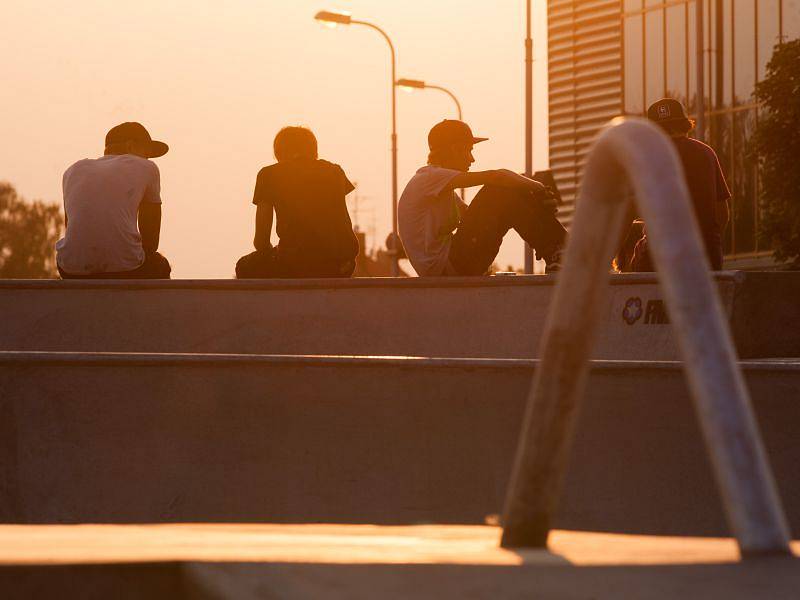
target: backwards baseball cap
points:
(135, 132)
(450, 132)
(667, 110)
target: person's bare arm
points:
(501, 177)
(261, 241)
(150, 225)
(722, 213)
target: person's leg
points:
(490, 215)
(260, 264)
(313, 269)
(155, 266)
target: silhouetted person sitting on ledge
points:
(707, 187)
(307, 194)
(444, 236)
(112, 211)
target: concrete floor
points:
(363, 561)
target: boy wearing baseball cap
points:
(444, 236)
(707, 187)
(112, 208)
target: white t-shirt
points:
(427, 215)
(101, 201)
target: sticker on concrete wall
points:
(632, 311)
(654, 312)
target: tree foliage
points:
(28, 233)
(777, 142)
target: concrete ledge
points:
(480, 317)
(356, 561)
(155, 438)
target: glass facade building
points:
(658, 57)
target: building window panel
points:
(634, 56)
(744, 50)
(727, 54)
(744, 183)
(791, 19)
(654, 56)
(676, 53)
(718, 134)
(768, 32)
(692, 58)
(632, 5)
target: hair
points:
(116, 148)
(438, 156)
(293, 142)
(678, 128)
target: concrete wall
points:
(116, 438)
(454, 317)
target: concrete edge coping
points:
(333, 284)
(20, 358)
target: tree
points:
(777, 142)
(28, 233)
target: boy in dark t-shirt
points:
(707, 187)
(307, 196)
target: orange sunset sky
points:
(217, 80)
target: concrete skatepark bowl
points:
(137, 403)
(133, 436)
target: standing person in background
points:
(112, 211)
(307, 196)
(707, 187)
(444, 236)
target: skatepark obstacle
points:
(637, 151)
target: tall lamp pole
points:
(528, 118)
(337, 18)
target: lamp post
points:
(528, 119)
(416, 84)
(337, 18)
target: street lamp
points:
(340, 18)
(416, 84)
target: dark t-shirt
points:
(706, 183)
(311, 216)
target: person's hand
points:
(548, 199)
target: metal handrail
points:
(632, 149)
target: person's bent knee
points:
(159, 267)
(256, 265)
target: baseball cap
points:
(666, 110)
(449, 132)
(135, 132)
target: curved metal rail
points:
(635, 150)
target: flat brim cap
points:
(136, 132)
(156, 149)
(667, 110)
(449, 132)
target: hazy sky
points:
(217, 80)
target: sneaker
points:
(555, 261)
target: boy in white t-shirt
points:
(112, 208)
(444, 236)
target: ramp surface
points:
(163, 438)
